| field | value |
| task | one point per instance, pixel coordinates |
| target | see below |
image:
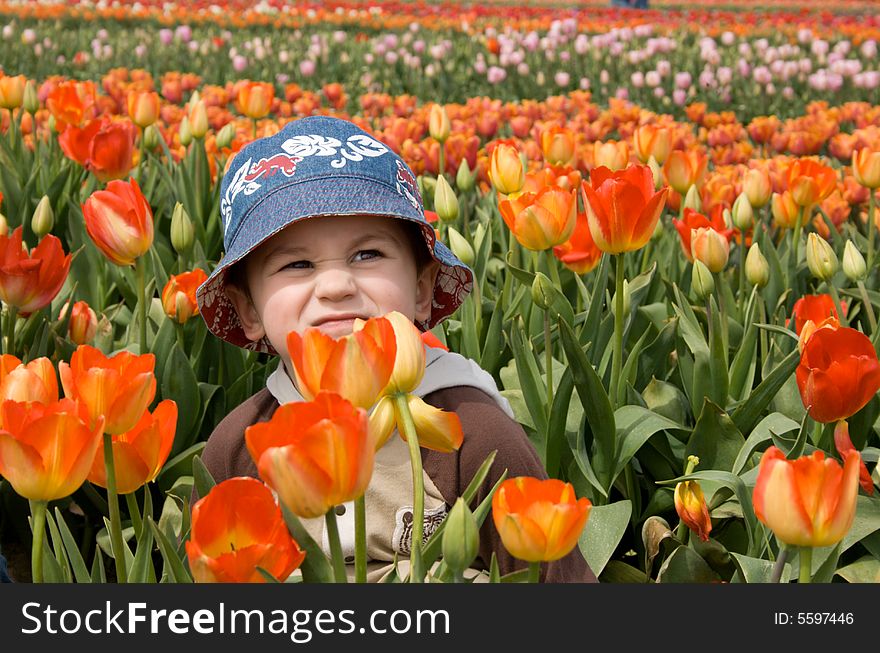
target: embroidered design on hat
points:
(401, 540)
(245, 180)
(405, 184)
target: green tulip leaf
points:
(756, 570)
(715, 439)
(863, 570)
(685, 565)
(605, 527)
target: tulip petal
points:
(437, 429)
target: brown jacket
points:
(486, 428)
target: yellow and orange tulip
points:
(690, 504)
(179, 295)
(809, 181)
(254, 99)
(538, 520)
(558, 146)
(119, 221)
(117, 389)
(143, 107)
(784, 210)
(12, 90)
(685, 169)
(236, 528)
(33, 381)
(652, 140)
(866, 168)
(710, 248)
(314, 454)
(541, 220)
(506, 169)
(810, 501)
(46, 451)
(757, 187)
(357, 366)
(83, 324)
(613, 155)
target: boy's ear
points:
(425, 290)
(250, 320)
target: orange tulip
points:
(83, 324)
(866, 168)
(506, 169)
(558, 145)
(314, 454)
(357, 366)
(254, 99)
(46, 450)
(785, 210)
(143, 107)
(810, 181)
(613, 155)
(117, 388)
(813, 307)
(652, 140)
(579, 253)
(76, 142)
(538, 520)
(236, 528)
(33, 381)
(439, 126)
(810, 501)
(685, 169)
(622, 207)
(29, 281)
(844, 445)
(694, 220)
(12, 90)
(120, 221)
(138, 454)
(838, 373)
(541, 220)
(111, 150)
(179, 295)
(70, 102)
(690, 504)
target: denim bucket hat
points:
(316, 166)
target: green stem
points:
(113, 505)
(408, 430)
(534, 572)
(178, 327)
(806, 564)
(796, 243)
(142, 305)
(38, 517)
(134, 511)
(11, 317)
(553, 268)
(871, 229)
(142, 161)
(869, 308)
(508, 275)
(548, 357)
(336, 558)
(740, 298)
(779, 564)
(360, 540)
(832, 289)
(617, 353)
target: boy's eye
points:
(367, 254)
(299, 265)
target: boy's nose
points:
(334, 284)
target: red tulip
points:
(838, 373)
(813, 307)
(579, 253)
(29, 281)
(236, 528)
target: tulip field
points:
(671, 218)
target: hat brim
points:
(340, 195)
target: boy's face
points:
(325, 272)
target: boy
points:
(324, 224)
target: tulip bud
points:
(464, 178)
(198, 119)
(757, 269)
(656, 172)
(44, 217)
(541, 293)
(52, 123)
(185, 132)
(821, 259)
(710, 247)
(182, 230)
(701, 280)
(461, 247)
(151, 137)
(30, 103)
(742, 215)
(853, 262)
(427, 185)
(757, 187)
(83, 324)
(461, 539)
(438, 123)
(666, 399)
(445, 201)
(626, 300)
(494, 267)
(784, 209)
(692, 199)
(225, 135)
(4, 225)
